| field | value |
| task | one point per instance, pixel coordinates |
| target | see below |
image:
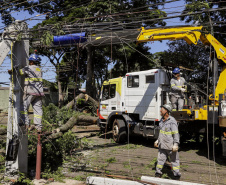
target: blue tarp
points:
(70, 38)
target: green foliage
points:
(23, 180)
(54, 117)
(127, 165)
(19, 37)
(2, 163)
(79, 178)
(54, 151)
(165, 176)
(56, 175)
(52, 86)
(80, 101)
(47, 38)
(58, 29)
(111, 160)
(152, 163)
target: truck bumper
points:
(101, 123)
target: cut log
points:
(89, 120)
(90, 99)
(68, 125)
(86, 120)
(72, 103)
(55, 135)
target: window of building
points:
(150, 79)
(109, 91)
(133, 81)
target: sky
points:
(49, 74)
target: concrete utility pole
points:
(15, 38)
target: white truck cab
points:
(134, 101)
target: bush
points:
(55, 150)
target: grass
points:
(129, 146)
(127, 165)
(111, 160)
(196, 162)
(152, 163)
(165, 176)
(79, 178)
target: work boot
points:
(158, 175)
(177, 175)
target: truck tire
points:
(119, 131)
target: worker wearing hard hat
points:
(168, 142)
(33, 92)
(177, 90)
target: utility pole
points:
(15, 39)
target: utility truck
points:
(133, 100)
(131, 104)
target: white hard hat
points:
(167, 107)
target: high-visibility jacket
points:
(168, 134)
(176, 86)
(33, 80)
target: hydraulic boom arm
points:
(190, 35)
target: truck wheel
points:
(119, 131)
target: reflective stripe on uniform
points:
(172, 85)
(23, 112)
(34, 79)
(176, 168)
(176, 86)
(37, 116)
(21, 72)
(174, 109)
(174, 132)
(159, 166)
(168, 133)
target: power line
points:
(27, 8)
(14, 4)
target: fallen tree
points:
(74, 101)
(78, 120)
(83, 103)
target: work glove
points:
(175, 147)
(183, 89)
(156, 144)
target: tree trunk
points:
(89, 120)
(61, 96)
(93, 101)
(72, 103)
(80, 120)
(90, 72)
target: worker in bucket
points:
(168, 142)
(33, 92)
(177, 90)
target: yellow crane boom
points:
(191, 35)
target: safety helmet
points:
(167, 107)
(176, 70)
(35, 58)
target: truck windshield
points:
(108, 91)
